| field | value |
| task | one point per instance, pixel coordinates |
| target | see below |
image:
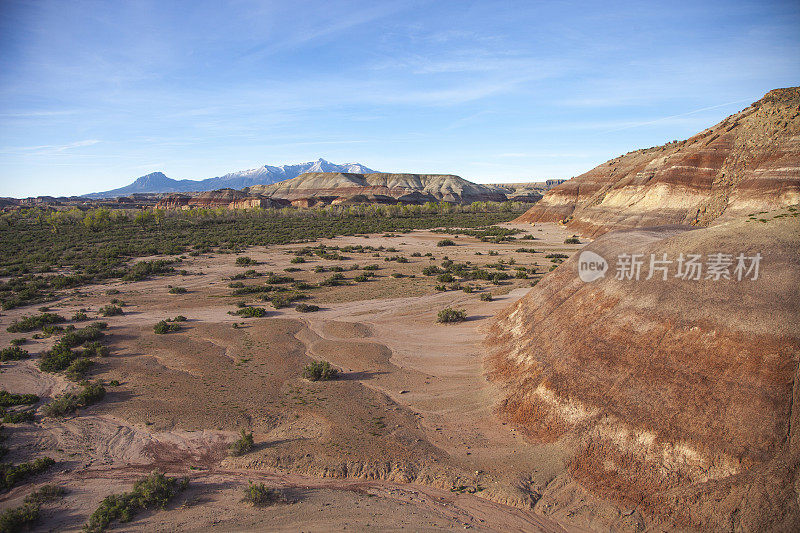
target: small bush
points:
(19, 518)
(449, 315)
(319, 371)
(19, 342)
(180, 318)
(446, 242)
(371, 267)
(361, 278)
(252, 312)
(573, 240)
(10, 474)
(80, 316)
(152, 491)
(13, 353)
(8, 399)
(245, 261)
(242, 445)
(178, 290)
(78, 368)
(69, 402)
(486, 297)
(297, 260)
(306, 308)
(17, 417)
(164, 327)
(260, 494)
(46, 493)
(416, 254)
(111, 310)
(31, 323)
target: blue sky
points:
(95, 94)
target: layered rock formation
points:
(227, 198)
(381, 187)
(748, 162)
(679, 398)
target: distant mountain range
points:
(157, 182)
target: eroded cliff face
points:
(749, 162)
(679, 396)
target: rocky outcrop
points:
(682, 396)
(227, 198)
(407, 188)
(749, 162)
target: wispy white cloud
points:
(48, 148)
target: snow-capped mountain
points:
(157, 182)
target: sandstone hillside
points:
(679, 396)
(749, 162)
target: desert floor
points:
(406, 438)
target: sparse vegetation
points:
(111, 310)
(572, 240)
(162, 327)
(446, 242)
(69, 402)
(19, 518)
(150, 492)
(13, 353)
(31, 323)
(245, 261)
(320, 371)
(251, 312)
(449, 315)
(178, 290)
(11, 474)
(306, 308)
(242, 445)
(260, 494)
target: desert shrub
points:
(297, 260)
(19, 518)
(319, 371)
(245, 261)
(336, 279)
(398, 275)
(242, 445)
(114, 383)
(19, 342)
(10, 474)
(446, 242)
(178, 290)
(111, 310)
(69, 402)
(292, 269)
(112, 292)
(45, 493)
(361, 278)
(468, 289)
(80, 316)
(445, 278)
(486, 297)
(371, 267)
(416, 254)
(493, 252)
(13, 353)
(252, 312)
(17, 417)
(337, 269)
(302, 286)
(78, 368)
(431, 270)
(79, 336)
(275, 279)
(8, 399)
(319, 269)
(152, 491)
(50, 330)
(163, 327)
(57, 359)
(573, 240)
(180, 318)
(449, 315)
(526, 250)
(260, 494)
(31, 323)
(307, 308)
(144, 269)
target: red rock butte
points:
(748, 162)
